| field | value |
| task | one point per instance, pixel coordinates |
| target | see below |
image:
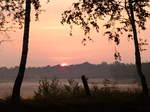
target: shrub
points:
(55, 89)
(48, 88)
(72, 88)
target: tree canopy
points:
(115, 14)
(12, 13)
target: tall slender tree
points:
(137, 50)
(19, 79)
(117, 17)
(20, 76)
(13, 13)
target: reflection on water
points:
(28, 88)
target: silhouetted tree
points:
(121, 16)
(13, 13)
(19, 79)
(20, 76)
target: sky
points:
(51, 44)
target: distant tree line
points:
(116, 71)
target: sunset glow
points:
(51, 44)
(64, 64)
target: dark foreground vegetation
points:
(80, 104)
(56, 97)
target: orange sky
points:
(50, 43)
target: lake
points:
(28, 88)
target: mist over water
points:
(28, 88)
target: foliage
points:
(13, 12)
(113, 15)
(47, 88)
(54, 89)
(72, 88)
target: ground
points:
(80, 104)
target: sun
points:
(63, 64)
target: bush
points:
(72, 88)
(55, 89)
(48, 88)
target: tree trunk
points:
(86, 86)
(137, 51)
(20, 76)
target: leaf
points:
(108, 32)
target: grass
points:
(55, 97)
